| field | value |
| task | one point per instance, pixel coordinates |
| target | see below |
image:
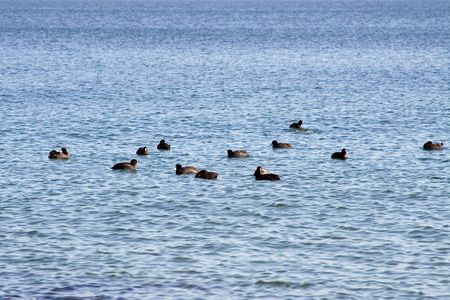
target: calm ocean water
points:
(103, 78)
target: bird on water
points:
(185, 170)
(237, 153)
(260, 174)
(163, 145)
(126, 166)
(433, 146)
(142, 151)
(297, 125)
(275, 144)
(64, 154)
(340, 155)
(206, 175)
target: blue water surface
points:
(103, 78)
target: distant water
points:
(103, 78)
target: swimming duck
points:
(142, 151)
(126, 166)
(275, 144)
(163, 145)
(260, 175)
(340, 155)
(206, 175)
(297, 125)
(430, 146)
(237, 153)
(64, 154)
(185, 170)
(260, 171)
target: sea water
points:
(103, 78)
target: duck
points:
(126, 166)
(260, 175)
(237, 153)
(430, 146)
(340, 155)
(260, 171)
(64, 154)
(163, 145)
(275, 144)
(142, 151)
(185, 170)
(206, 175)
(297, 125)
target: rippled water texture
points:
(103, 78)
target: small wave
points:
(302, 130)
(285, 283)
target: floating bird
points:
(275, 144)
(237, 153)
(297, 125)
(142, 151)
(260, 171)
(260, 175)
(206, 175)
(163, 145)
(340, 155)
(430, 146)
(64, 154)
(126, 166)
(185, 170)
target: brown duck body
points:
(430, 146)
(185, 170)
(237, 153)
(206, 175)
(260, 174)
(297, 125)
(268, 177)
(163, 145)
(64, 154)
(142, 151)
(340, 155)
(275, 144)
(126, 166)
